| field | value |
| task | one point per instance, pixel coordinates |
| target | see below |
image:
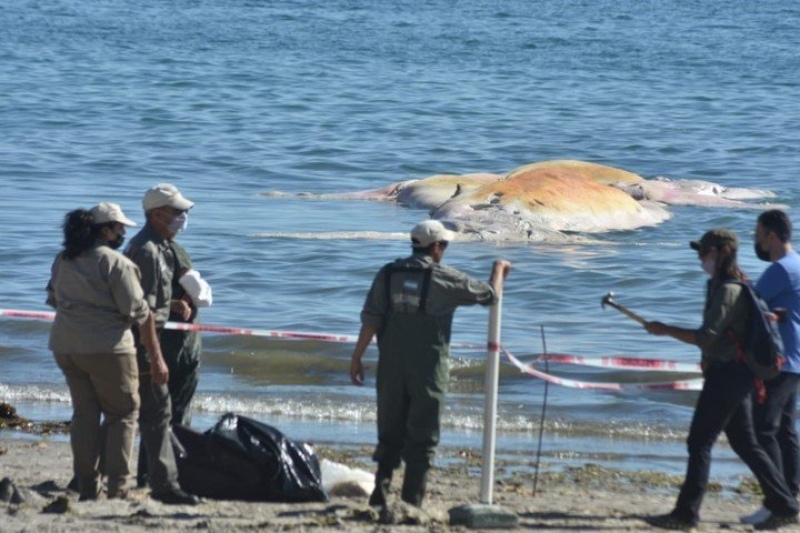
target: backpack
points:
(762, 350)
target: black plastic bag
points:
(243, 459)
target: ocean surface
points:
(231, 99)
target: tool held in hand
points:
(608, 299)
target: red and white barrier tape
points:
(293, 335)
(182, 326)
(689, 384)
(628, 363)
(36, 315)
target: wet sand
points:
(586, 498)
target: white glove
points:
(197, 288)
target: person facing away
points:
(779, 286)
(165, 214)
(97, 296)
(410, 307)
(724, 403)
(182, 349)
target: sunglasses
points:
(175, 211)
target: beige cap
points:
(108, 212)
(165, 194)
(430, 231)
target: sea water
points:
(230, 99)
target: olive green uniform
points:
(181, 349)
(412, 302)
(154, 257)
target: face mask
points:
(179, 223)
(117, 242)
(761, 254)
(708, 266)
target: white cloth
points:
(197, 288)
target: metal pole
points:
(490, 400)
(541, 420)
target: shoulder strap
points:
(427, 272)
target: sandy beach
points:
(587, 498)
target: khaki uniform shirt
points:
(97, 297)
(449, 288)
(727, 311)
(155, 260)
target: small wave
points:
(332, 410)
(33, 393)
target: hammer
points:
(608, 299)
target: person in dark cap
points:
(725, 401)
(166, 213)
(410, 307)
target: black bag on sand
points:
(243, 459)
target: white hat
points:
(165, 194)
(108, 212)
(430, 231)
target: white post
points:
(490, 401)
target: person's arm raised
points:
(500, 270)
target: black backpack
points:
(762, 350)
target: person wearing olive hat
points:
(725, 402)
(97, 297)
(410, 307)
(166, 214)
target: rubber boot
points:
(414, 482)
(383, 481)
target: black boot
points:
(414, 482)
(383, 481)
(142, 477)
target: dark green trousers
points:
(412, 379)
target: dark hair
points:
(728, 267)
(80, 233)
(778, 223)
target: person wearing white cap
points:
(410, 307)
(166, 213)
(97, 297)
(182, 349)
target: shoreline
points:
(587, 497)
(564, 445)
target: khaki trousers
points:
(107, 385)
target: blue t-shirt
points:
(779, 285)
